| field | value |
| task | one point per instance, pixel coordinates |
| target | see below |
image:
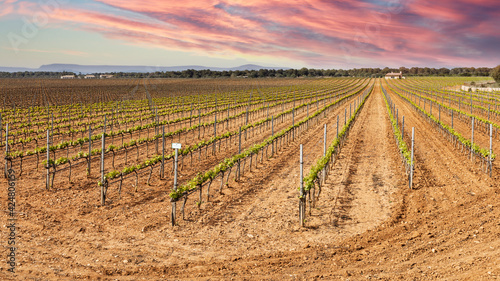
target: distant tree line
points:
(311, 72)
(34, 74)
(262, 73)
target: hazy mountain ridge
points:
(76, 68)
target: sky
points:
(221, 33)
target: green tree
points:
(495, 73)
(303, 72)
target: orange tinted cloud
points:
(315, 32)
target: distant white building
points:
(394, 75)
(89, 76)
(106, 76)
(68, 77)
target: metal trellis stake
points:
(239, 152)
(103, 150)
(90, 150)
(472, 141)
(452, 119)
(337, 126)
(302, 202)
(324, 141)
(215, 133)
(175, 146)
(6, 148)
(412, 155)
(48, 160)
(1, 129)
(324, 154)
(491, 148)
(163, 153)
(403, 128)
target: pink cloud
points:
(315, 31)
(6, 7)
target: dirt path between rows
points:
(356, 198)
(367, 223)
(66, 235)
(446, 228)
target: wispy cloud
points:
(6, 7)
(315, 32)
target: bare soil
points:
(367, 223)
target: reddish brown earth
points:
(367, 223)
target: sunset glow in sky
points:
(222, 33)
